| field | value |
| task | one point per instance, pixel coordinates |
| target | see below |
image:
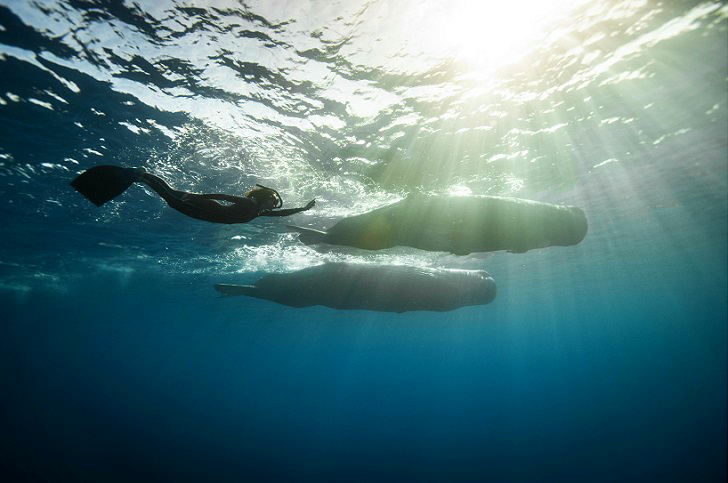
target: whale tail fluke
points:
(104, 183)
(227, 289)
(308, 236)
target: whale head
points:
(480, 290)
(487, 291)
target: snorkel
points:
(279, 200)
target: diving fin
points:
(104, 183)
(308, 236)
(227, 289)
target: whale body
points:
(388, 288)
(457, 224)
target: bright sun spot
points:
(489, 34)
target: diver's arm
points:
(288, 212)
(222, 197)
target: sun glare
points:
(489, 34)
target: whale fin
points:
(228, 289)
(308, 236)
(104, 183)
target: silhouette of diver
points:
(104, 183)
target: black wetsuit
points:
(101, 184)
(203, 207)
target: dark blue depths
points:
(155, 378)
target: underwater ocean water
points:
(604, 361)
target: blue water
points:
(604, 361)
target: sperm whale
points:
(384, 288)
(457, 224)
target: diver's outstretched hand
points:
(310, 205)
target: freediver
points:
(104, 183)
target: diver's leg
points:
(190, 204)
(161, 187)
